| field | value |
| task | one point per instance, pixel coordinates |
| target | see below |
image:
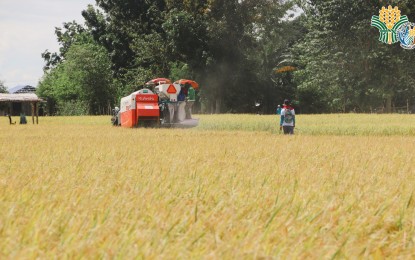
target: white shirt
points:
(288, 120)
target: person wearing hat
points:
(287, 122)
(279, 110)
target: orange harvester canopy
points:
(193, 83)
(158, 80)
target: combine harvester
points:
(157, 105)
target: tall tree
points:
(216, 41)
(124, 21)
(275, 29)
(343, 65)
(71, 33)
(81, 83)
(247, 39)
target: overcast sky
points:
(26, 30)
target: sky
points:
(27, 29)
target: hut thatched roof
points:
(26, 97)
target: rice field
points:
(232, 188)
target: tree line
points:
(322, 54)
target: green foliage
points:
(88, 67)
(3, 88)
(186, 35)
(214, 42)
(84, 77)
(72, 108)
(247, 40)
(70, 34)
(122, 23)
(274, 34)
(343, 66)
(56, 86)
(179, 70)
(234, 49)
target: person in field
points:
(191, 98)
(23, 120)
(279, 108)
(287, 122)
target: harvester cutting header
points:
(159, 103)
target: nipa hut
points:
(26, 103)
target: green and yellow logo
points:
(388, 22)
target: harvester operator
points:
(190, 100)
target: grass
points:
(335, 124)
(78, 188)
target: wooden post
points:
(37, 113)
(33, 112)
